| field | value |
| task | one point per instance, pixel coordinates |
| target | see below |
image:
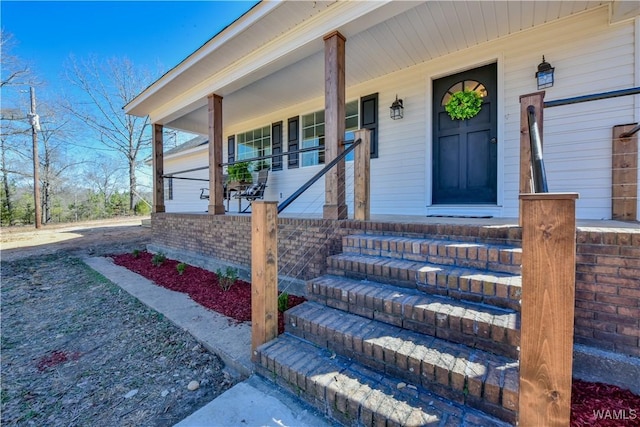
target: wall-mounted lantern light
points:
(544, 74)
(396, 109)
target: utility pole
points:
(34, 120)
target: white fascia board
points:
(622, 10)
(305, 34)
(241, 24)
(187, 152)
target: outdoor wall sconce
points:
(396, 109)
(544, 74)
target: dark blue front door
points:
(465, 151)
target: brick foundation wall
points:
(607, 314)
(608, 290)
(303, 244)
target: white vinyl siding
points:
(186, 193)
(589, 56)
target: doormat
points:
(460, 216)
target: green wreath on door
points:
(464, 104)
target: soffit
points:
(258, 27)
(376, 46)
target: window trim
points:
(168, 189)
(237, 143)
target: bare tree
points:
(55, 135)
(14, 73)
(107, 86)
(104, 177)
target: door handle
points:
(493, 140)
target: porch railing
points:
(252, 159)
(304, 187)
(548, 273)
(537, 163)
(265, 265)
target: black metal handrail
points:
(632, 132)
(252, 159)
(592, 97)
(319, 175)
(271, 156)
(185, 178)
(537, 164)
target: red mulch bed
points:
(592, 404)
(603, 405)
(201, 285)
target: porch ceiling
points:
(415, 32)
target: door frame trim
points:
(495, 210)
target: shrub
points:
(181, 268)
(158, 259)
(227, 279)
(283, 302)
(142, 208)
(136, 253)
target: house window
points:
(168, 188)
(312, 136)
(313, 133)
(255, 143)
(464, 85)
(350, 125)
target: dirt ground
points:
(77, 350)
(82, 238)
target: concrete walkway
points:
(252, 402)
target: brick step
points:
(479, 255)
(475, 325)
(472, 377)
(353, 395)
(494, 288)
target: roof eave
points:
(134, 107)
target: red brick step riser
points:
(481, 256)
(500, 289)
(420, 360)
(354, 395)
(492, 330)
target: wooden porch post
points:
(548, 298)
(526, 176)
(158, 169)
(361, 168)
(216, 199)
(264, 273)
(334, 116)
(624, 175)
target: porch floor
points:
(582, 224)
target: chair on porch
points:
(255, 191)
(204, 191)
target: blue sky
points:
(155, 34)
